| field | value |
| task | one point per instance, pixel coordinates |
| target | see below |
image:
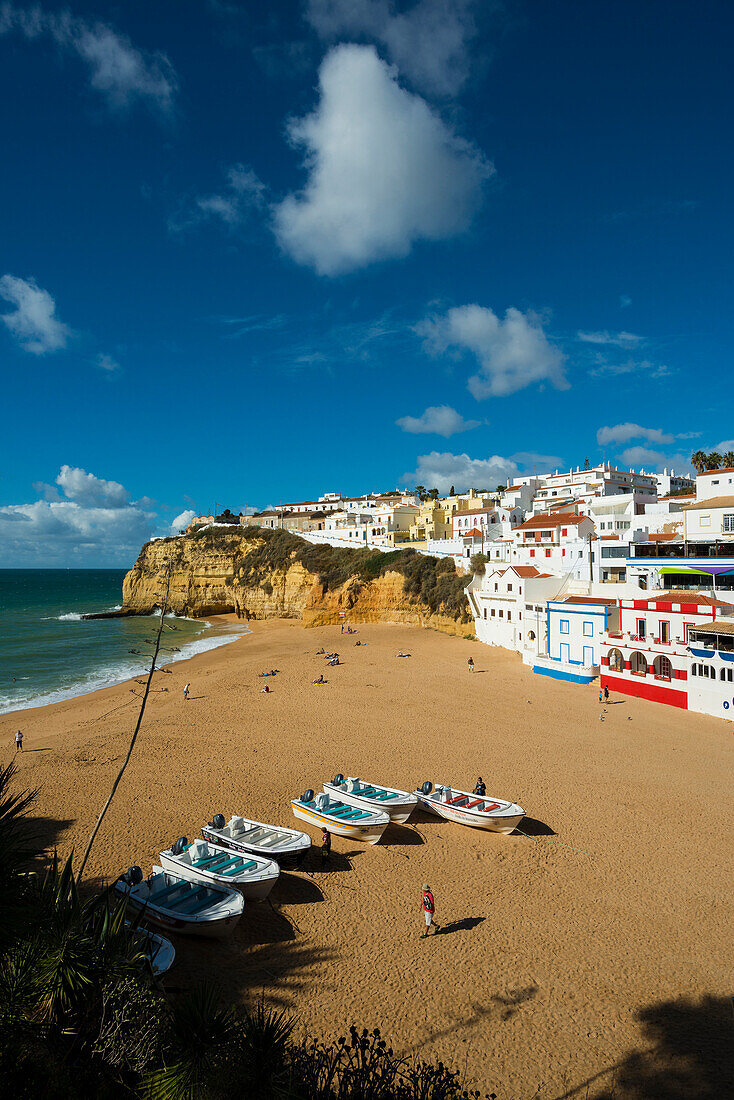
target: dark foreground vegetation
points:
(258, 552)
(81, 1014)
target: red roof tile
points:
(551, 519)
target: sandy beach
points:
(590, 958)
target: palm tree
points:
(698, 461)
(713, 461)
(728, 458)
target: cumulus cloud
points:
(622, 433)
(242, 194)
(438, 420)
(442, 470)
(724, 446)
(642, 456)
(537, 463)
(33, 323)
(512, 353)
(611, 339)
(117, 69)
(182, 520)
(428, 42)
(384, 170)
(94, 523)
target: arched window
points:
(663, 668)
(616, 660)
(638, 664)
(531, 635)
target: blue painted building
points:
(576, 626)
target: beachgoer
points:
(19, 741)
(428, 906)
(606, 693)
(266, 689)
(601, 696)
(470, 662)
(325, 847)
(320, 680)
(480, 788)
(342, 629)
(186, 690)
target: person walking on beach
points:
(601, 695)
(606, 694)
(470, 662)
(428, 906)
(325, 847)
(186, 690)
(19, 741)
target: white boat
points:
(287, 846)
(179, 905)
(159, 951)
(202, 861)
(398, 805)
(470, 809)
(340, 818)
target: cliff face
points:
(217, 576)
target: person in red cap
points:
(428, 905)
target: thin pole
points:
(116, 784)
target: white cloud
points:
(107, 363)
(242, 194)
(88, 490)
(724, 446)
(622, 433)
(624, 301)
(442, 470)
(34, 323)
(429, 42)
(611, 339)
(629, 366)
(182, 520)
(117, 69)
(437, 419)
(512, 353)
(94, 525)
(536, 463)
(384, 170)
(642, 456)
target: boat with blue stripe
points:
(202, 861)
(287, 847)
(398, 805)
(179, 905)
(340, 817)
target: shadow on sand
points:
(292, 889)
(530, 826)
(464, 925)
(399, 834)
(688, 1053)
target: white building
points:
(711, 515)
(577, 627)
(509, 606)
(581, 486)
(672, 483)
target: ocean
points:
(48, 652)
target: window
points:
(564, 530)
(638, 664)
(728, 522)
(641, 629)
(588, 630)
(485, 613)
(664, 633)
(532, 553)
(509, 588)
(616, 660)
(662, 668)
(531, 635)
(722, 674)
(496, 587)
(501, 613)
(693, 670)
(509, 615)
(492, 612)
(564, 626)
(704, 521)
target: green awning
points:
(684, 569)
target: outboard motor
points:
(427, 787)
(178, 846)
(217, 822)
(133, 876)
(338, 779)
(307, 796)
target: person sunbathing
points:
(401, 654)
(320, 680)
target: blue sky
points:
(254, 253)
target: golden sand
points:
(567, 964)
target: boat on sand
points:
(339, 817)
(202, 861)
(397, 804)
(178, 905)
(287, 846)
(484, 812)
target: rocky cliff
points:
(258, 573)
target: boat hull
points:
(256, 890)
(162, 918)
(369, 833)
(399, 812)
(219, 919)
(499, 823)
(292, 856)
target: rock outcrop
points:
(258, 574)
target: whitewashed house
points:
(509, 607)
(577, 627)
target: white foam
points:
(70, 617)
(120, 673)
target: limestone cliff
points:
(257, 574)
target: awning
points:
(666, 569)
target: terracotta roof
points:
(474, 533)
(585, 599)
(721, 470)
(511, 488)
(687, 597)
(663, 536)
(716, 628)
(676, 496)
(551, 519)
(712, 502)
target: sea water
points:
(49, 652)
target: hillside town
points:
(594, 572)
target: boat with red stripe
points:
(494, 814)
